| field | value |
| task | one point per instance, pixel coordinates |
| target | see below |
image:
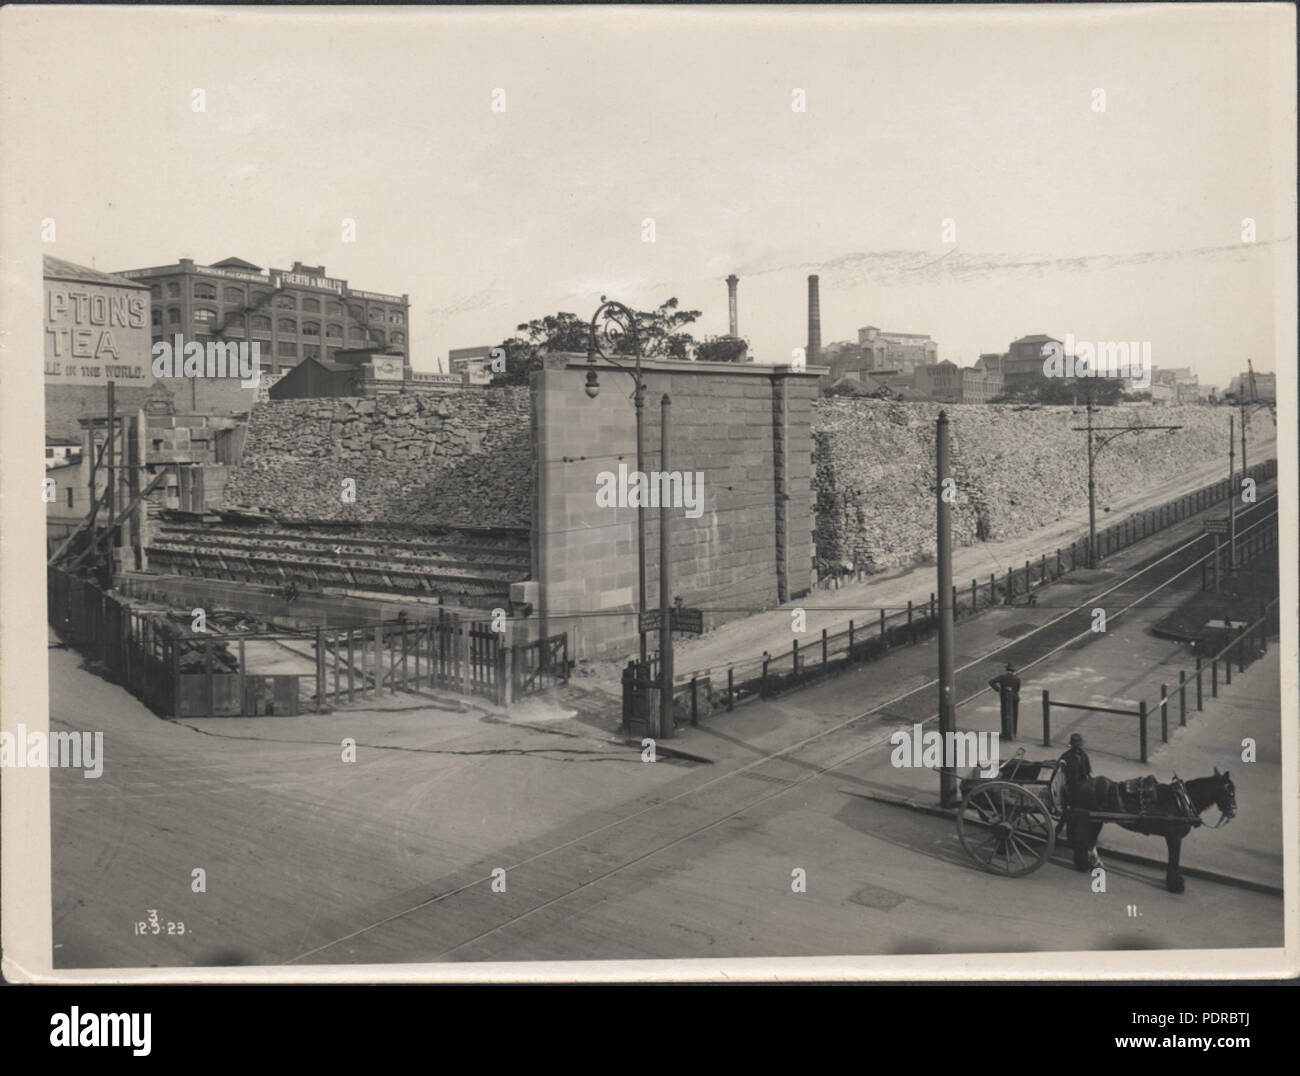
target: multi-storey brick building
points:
(294, 314)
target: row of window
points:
(235, 296)
(261, 325)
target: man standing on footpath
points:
(1008, 688)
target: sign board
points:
(96, 333)
(690, 621)
(1216, 526)
(281, 278)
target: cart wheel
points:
(1005, 828)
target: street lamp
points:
(1095, 445)
(611, 322)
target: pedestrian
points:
(1078, 767)
(1008, 688)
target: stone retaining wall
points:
(1016, 470)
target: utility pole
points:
(947, 707)
(665, 583)
(1232, 497)
(1095, 445)
(111, 461)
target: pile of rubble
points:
(414, 458)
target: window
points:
(396, 317)
(377, 335)
(288, 325)
(155, 291)
(334, 330)
(376, 315)
(310, 351)
(334, 308)
(174, 316)
(287, 348)
(49, 453)
(286, 302)
(235, 321)
(356, 332)
(235, 295)
(311, 328)
(173, 290)
(155, 317)
(68, 491)
(203, 315)
(356, 313)
(261, 325)
(397, 338)
(204, 291)
(258, 297)
(311, 305)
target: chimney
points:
(814, 322)
(732, 281)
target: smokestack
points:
(732, 281)
(814, 322)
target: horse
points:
(1170, 811)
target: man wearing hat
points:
(1008, 688)
(1078, 767)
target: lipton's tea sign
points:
(95, 334)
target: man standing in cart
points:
(1008, 688)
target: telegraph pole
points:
(1232, 497)
(665, 584)
(947, 707)
(1095, 445)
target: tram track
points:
(907, 707)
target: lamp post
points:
(1095, 445)
(611, 321)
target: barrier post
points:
(1182, 697)
(1164, 714)
(1047, 719)
(1142, 728)
(731, 689)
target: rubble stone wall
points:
(461, 459)
(1016, 470)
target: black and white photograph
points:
(633, 493)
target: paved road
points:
(391, 858)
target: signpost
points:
(688, 621)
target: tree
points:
(659, 335)
(721, 349)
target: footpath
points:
(1119, 668)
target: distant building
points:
(1264, 389)
(884, 350)
(61, 450)
(359, 372)
(475, 362)
(293, 314)
(946, 382)
(877, 351)
(1022, 366)
(939, 381)
(1184, 383)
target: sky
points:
(1122, 224)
